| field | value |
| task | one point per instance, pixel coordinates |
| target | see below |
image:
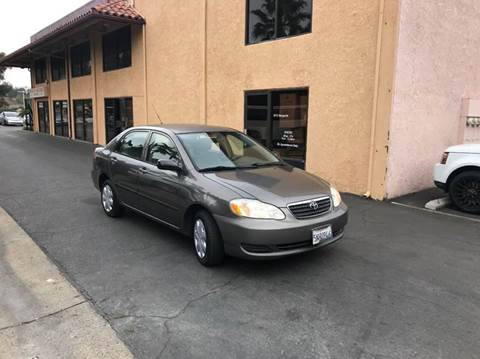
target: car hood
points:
(466, 148)
(278, 185)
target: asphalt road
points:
(402, 284)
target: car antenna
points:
(156, 113)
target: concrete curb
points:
(41, 314)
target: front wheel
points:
(465, 191)
(208, 240)
(110, 203)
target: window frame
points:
(74, 113)
(276, 38)
(82, 58)
(62, 119)
(270, 110)
(147, 139)
(118, 100)
(115, 37)
(56, 60)
(44, 71)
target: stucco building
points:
(365, 93)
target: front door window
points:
(278, 120)
(43, 120)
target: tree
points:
(2, 68)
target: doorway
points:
(278, 120)
(43, 117)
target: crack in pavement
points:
(42, 317)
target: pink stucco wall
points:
(438, 64)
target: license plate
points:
(320, 235)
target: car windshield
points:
(226, 150)
(11, 114)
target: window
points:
(118, 116)
(43, 120)
(132, 144)
(80, 59)
(40, 71)
(83, 120)
(274, 19)
(160, 147)
(117, 49)
(61, 118)
(278, 120)
(57, 63)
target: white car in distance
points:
(459, 175)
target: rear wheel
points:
(207, 239)
(465, 191)
(110, 203)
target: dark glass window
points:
(80, 60)
(83, 120)
(43, 117)
(160, 147)
(117, 49)
(274, 19)
(132, 144)
(118, 116)
(57, 63)
(61, 118)
(278, 120)
(40, 71)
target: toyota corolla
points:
(221, 188)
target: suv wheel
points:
(207, 239)
(465, 191)
(110, 202)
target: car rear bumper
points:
(269, 239)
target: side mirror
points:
(169, 165)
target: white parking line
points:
(437, 212)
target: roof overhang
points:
(99, 18)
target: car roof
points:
(185, 128)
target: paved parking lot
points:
(402, 284)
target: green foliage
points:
(2, 68)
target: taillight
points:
(444, 158)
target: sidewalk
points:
(41, 314)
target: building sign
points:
(39, 91)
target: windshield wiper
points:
(218, 168)
(264, 164)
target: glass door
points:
(118, 116)
(61, 118)
(278, 120)
(43, 119)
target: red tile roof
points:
(117, 8)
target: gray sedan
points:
(220, 187)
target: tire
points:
(210, 251)
(109, 200)
(465, 191)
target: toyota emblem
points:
(314, 205)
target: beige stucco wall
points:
(438, 64)
(337, 62)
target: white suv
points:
(459, 175)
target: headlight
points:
(255, 209)
(337, 199)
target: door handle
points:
(114, 159)
(143, 170)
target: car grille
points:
(310, 209)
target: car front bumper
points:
(13, 123)
(269, 239)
